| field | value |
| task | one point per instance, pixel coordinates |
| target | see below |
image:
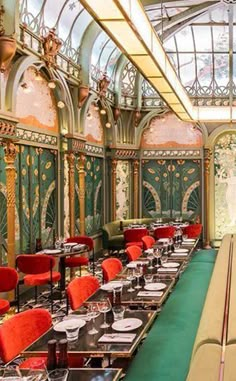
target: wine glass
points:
(157, 255)
(12, 374)
(130, 277)
(93, 312)
(104, 306)
(164, 258)
(138, 273)
(150, 257)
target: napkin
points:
(179, 254)
(167, 270)
(150, 293)
(188, 243)
(117, 338)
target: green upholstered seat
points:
(205, 256)
(165, 354)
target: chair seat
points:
(139, 244)
(76, 261)
(74, 362)
(4, 306)
(40, 279)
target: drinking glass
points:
(58, 375)
(93, 313)
(12, 374)
(118, 312)
(157, 255)
(72, 331)
(38, 371)
(104, 306)
(164, 259)
(130, 278)
(148, 278)
(138, 273)
(117, 293)
(150, 257)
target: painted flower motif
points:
(44, 176)
(151, 170)
(23, 171)
(88, 165)
(157, 178)
(164, 174)
(185, 178)
(191, 170)
(36, 172)
(177, 175)
(48, 165)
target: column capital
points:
(10, 152)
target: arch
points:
(145, 122)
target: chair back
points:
(133, 253)
(193, 231)
(18, 332)
(80, 289)
(82, 239)
(111, 267)
(164, 232)
(35, 263)
(8, 279)
(135, 235)
(148, 242)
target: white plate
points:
(60, 327)
(163, 240)
(181, 251)
(131, 265)
(109, 286)
(52, 251)
(191, 240)
(70, 244)
(171, 264)
(126, 325)
(155, 286)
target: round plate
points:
(109, 286)
(163, 240)
(52, 251)
(70, 244)
(181, 251)
(60, 327)
(131, 265)
(126, 325)
(189, 240)
(155, 286)
(171, 264)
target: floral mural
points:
(225, 185)
(33, 96)
(164, 132)
(93, 130)
(122, 190)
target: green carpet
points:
(166, 353)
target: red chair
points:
(148, 242)
(8, 282)
(39, 271)
(193, 231)
(133, 237)
(164, 232)
(133, 253)
(80, 289)
(78, 261)
(20, 331)
(111, 267)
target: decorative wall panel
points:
(123, 191)
(35, 197)
(77, 205)
(171, 188)
(225, 185)
(3, 208)
(93, 130)
(93, 194)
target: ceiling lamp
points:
(52, 84)
(127, 24)
(103, 112)
(60, 104)
(108, 125)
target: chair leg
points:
(51, 287)
(36, 294)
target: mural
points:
(93, 194)
(171, 188)
(93, 130)
(33, 96)
(164, 132)
(77, 205)
(35, 197)
(123, 190)
(3, 208)
(225, 185)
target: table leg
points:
(62, 270)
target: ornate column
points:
(10, 155)
(136, 187)
(71, 193)
(81, 162)
(207, 160)
(113, 187)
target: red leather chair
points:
(80, 289)
(148, 242)
(133, 237)
(133, 253)
(39, 271)
(8, 282)
(164, 232)
(193, 231)
(78, 261)
(111, 267)
(20, 331)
